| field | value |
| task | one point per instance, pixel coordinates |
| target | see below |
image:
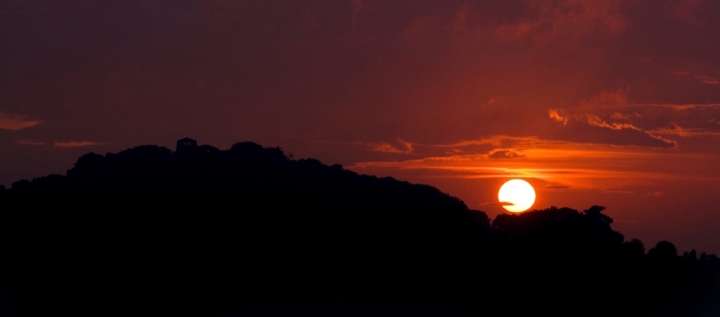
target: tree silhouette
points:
(149, 231)
(664, 251)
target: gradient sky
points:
(615, 103)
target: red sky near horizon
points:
(615, 103)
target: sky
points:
(612, 103)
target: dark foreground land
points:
(247, 231)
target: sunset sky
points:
(614, 103)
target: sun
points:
(517, 192)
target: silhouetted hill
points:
(149, 232)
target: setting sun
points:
(517, 192)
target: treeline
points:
(151, 232)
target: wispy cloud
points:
(708, 80)
(402, 148)
(556, 186)
(505, 154)
(72, 144)
(640, 124)
(28, 142)
(560, 19)
(496, 203)
(555, 115)
(556, 165)
(683, 132)
(16, 122)
(497, 141)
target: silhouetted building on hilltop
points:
(185, 145)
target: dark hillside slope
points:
(198, 232)
(149, 232)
